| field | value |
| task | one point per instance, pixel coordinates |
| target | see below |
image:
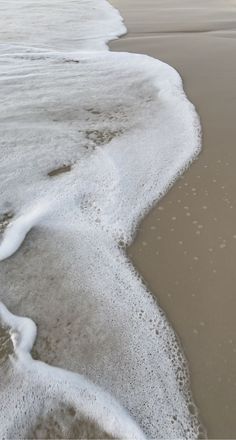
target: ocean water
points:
(90, 140)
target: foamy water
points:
(123, 129)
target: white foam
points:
(19, 228)
(126, 128)
(38, 384)
(70, 25)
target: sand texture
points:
(186, 247)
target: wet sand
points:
(63, 423)
(186, 247)
(6, 346)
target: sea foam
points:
(40, 387)
(125, 128)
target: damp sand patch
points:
(66, 423)
(61, 170)
(101, 137)
(6, 346)
(117, 113)
(71, 61)
(5, 219)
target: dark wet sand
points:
(186, 247)
(6, 346)
(60, 170)
(64, 423)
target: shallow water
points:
(123, 130)
(63, 424)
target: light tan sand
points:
(186, 247)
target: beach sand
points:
(186, 247)
(6, 346)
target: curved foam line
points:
(72, 388)
(23, 330)
(19, 228)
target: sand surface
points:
(186, 247)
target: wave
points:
(91, 140)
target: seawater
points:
(90, 140)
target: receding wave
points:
(91, 140)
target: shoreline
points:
(71, 267)
(68, 234)
(185, 246)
